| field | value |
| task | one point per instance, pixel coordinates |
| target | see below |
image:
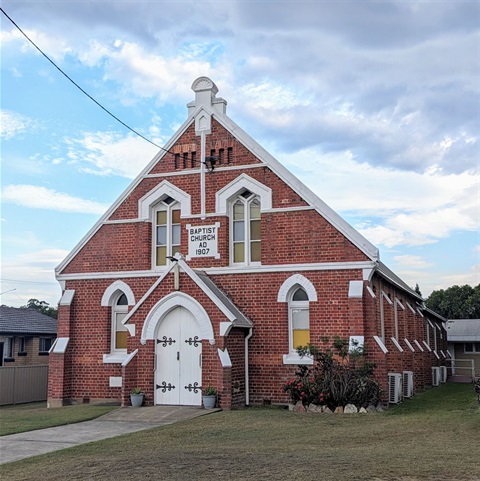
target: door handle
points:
(178, 355)
(200, 360)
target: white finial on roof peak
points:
(205, 95)
(204, 83)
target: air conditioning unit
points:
(407, 383)
(435, 376)
(395, 394)
(443, 373)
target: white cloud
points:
(398, 207)
(12, 124)
(36, 197)
(411, 261)
(32, 275)
(107, 153)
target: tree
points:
(456, 302)
(417, 290)
(41, 306)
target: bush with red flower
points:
(339, 376)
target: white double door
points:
(178, 370)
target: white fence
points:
(23, 384)
(462, 368)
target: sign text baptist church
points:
(203, 241)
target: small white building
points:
(463, 337)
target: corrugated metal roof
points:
(463, 330)
(240, 319)
(14, 320)
(389, 274)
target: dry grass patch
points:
(274, 444)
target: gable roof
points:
(463, 330)
(216, 295)
(14, 320)
(388, 274)
(215, 107)
(240, 320)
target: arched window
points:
(167, 230)
(246, 243)
(119, 331)
(299, 319)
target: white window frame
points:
(247, 234)
(293, 306)
(117, 309)
(293, 357)
(109, 299)
(9, 347)
(168, 208)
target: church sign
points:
(203, 241)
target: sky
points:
(374, 105)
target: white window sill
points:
(114, 358)
(295, 358)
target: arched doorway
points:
(178, 368)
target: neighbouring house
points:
(212, 268)
(26, 336)
(463, 337)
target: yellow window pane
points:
(255, 230)
(121, 340)
(301, 337)
(175, 249)
(256, 251)
(238, 211)
(161, 217)
(254, 210)
(176, 216)
(161, 255)
(239, 252)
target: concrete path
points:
(118, 422)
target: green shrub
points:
(339, 376)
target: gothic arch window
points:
(298, 292)
(119, 332)
(167, 230)
(246, 242)
(298, 319)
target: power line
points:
(26, 282)
(80, 88)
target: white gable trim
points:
(243, 181)
(296, 279)
(113, 288)
(163, 189)
(194, 276)
(301, 189)
(167, 304)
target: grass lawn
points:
(435, 436)
(28, 417)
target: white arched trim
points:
(226, 194)
(114, 288)
(164, 189)
(296, 280)
(167, 304)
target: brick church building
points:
(212, 268)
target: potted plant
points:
(209, 397)
(136, 397)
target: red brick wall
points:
(293, 237)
